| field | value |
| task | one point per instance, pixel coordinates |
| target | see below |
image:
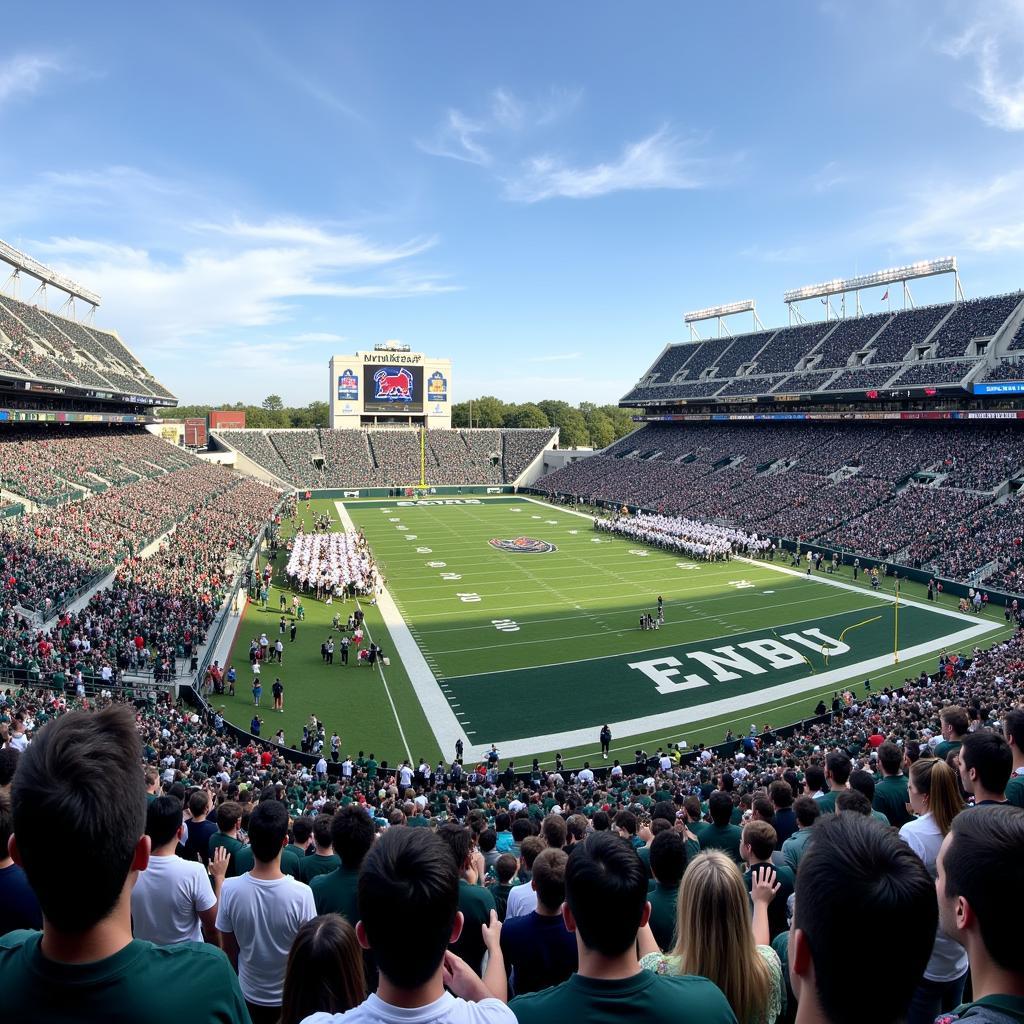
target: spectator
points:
(475, 902)
(606, 905)
(352, 833)
(229, 823)
(1013, 726)
(954, 728)
(715, 939)
(324, 860)
(200, 829)
(807, 812)
(539, 950)
(85, 957)
(980, 877)
(668, 862)
(19, 907)
(173, 900)
(891, 796)
(837, 774)
(985, 762)
(857, 870)
(784, 822)
(408, 914)
(260, 913)
(756, 849)
(720, 834)
(522, 899)
(323, 971)
(505, 871)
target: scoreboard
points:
(390, 385)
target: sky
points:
(537, 191)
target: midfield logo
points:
(528, 545)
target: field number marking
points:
(740, 584)
(424, 551)
(450, 576)
(505, 625)
(437, 565)
(468, 598)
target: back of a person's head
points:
(502, 821)
(198, 802)
(857, 869)
(1013, 727)
(549, 877)
(988, 753)
(714, 937)
(553, 830)
(521, 829)
(761, 838)
(324, 970)
(863, 782)
(626, 820)
(781, 794)
(163, 819)
(79, 810)
(487, 840)
(408, 898)
(352, 832)
(268, 829)
(854, 801)
(838, 765)
(606, 889)
(668, 857)
(302, 830)
(664, 809)
(720, 807)
(933, 778)
(322, 830)
(459, 841)
(529, 850)
(6, 824)
(505, 867)
(956, 718)
(890, 757)
(576, 827)
(981, 862)
(229, 814)
(8, 765)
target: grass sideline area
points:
(530, 645)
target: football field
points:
(516, 623)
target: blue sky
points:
(537, 190)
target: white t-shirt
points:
(264, 916)
(167, 900)
(586, 775)
(446, 1010)
(522, 900)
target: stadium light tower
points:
(719, 313)
(853, 285)
(20, 263)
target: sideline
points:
(440, 717)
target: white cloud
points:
(659, 161)
(24, 73)
(994, 42)
(559, 358)
(310, 337)
(457, 139)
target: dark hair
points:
(890, 757)
(602, 823)
(553, 830)
(990, 756)
(857, 869)
(302, 829)
(487, 840)
(81, 772)
(198, 803)
(228, 815)
(408, 897)
(5, 823)
(576, 827)
(352, 832)
(838, 765)
(626, 820)
(521, 829)
(322, 830)
(863, 782)
(459, 841)
(502, 821)
(549, 877)
(8, 765)
(163, 819)
(668, 857)
(268, 829)
(807, 810)
(1013, 726)
(983, 864)
(720, 807)
(765, 808)
(956, 718)
(325, 970)
(761, 837)
(606, 889)
(853, 800)
(664, 809)
(505, 867)
(781, 794)
(530, 849)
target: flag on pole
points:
(886, 295)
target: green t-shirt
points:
(943, 749)
(476, 904)
(725, 838)
(335, 893)
(662, 899)
(827, 803)
(1015, 790)
(235, 848)
(310, 867)
(652, 998)
(1010, 1006)
(891, 796)
(142, 982)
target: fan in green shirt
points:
(352, 834)
(720, 835)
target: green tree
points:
(487, 411)
(600, 428)
(273, 403)
(622, 420)
(526, 415)
(460, 414)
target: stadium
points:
(416, 702)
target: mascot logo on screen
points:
(393, 384)
(525, 545)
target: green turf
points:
(526, 645)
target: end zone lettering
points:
(440, 501)
(726, 663)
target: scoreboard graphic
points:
(391, 384)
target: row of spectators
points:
(716, 885)
(390, 457)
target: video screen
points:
(392, 388)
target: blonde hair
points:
(933, 778)
(715, 937)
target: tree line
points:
(272, 412)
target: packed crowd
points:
(331, 563)
(687, 536)
(841, 485)
(389, 457)
(660, 890)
